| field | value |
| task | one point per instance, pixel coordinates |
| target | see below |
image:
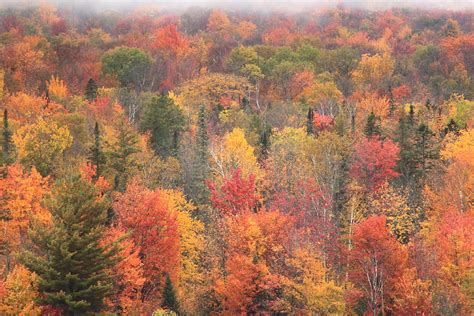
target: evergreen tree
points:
(426, 150)
(169, 296)
(164, 120)
(200, 192)
(411, 115)
(310, 122)
(452, 127)
(96, 155)
(406, 164)
(67, 257)
(371, 127)
(391, 102)
(264, 145)
(91, 90)
(7, 144)
(122, 155)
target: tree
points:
(426, 150)
(233, 151)
(372, 128)
(21, 195)
(91, 90)
(70, 263)
(164, 120)
(7, 143)
(96, 155)
(42, 145)
(237, 194)
(310, 122)
(374, 161)
(151, 219)
(128, 65)
(200, 168)
(377, 263)
(122, 155)
(21, 291)
(169, 296)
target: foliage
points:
(41, 144)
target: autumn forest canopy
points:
(238, 162)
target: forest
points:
(236, 162)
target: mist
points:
(247, 5)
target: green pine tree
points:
(7, 143)
(164, 120)
(121, 157)
(96, 155)
(91, 90)
(310, 122)
(371, 127)
(391, 102)
(426, 150)
(264, 144)
(169, 296)
(200, 192)
(67, 257)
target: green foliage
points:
(91, 90)
(371, 127)
(67, 257)
(169, 296)
(127, 64)
(122, 155)
(7, 143)
(164, 120)
(96, 155)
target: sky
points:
(258, 5)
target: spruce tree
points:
(391, 102)
(310, 122)
(96, 155)
(7, 144)
(200, 192)
(67, 257)
(169, 296)
(371, 127)
(91, 90)
(164, 120)
(122, 155)
(264, 145)
(426, 150)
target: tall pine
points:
(200, 192)
(91, 90)
(67, 257)
(122, 155)
(372, 128)
(169, 296)
(310, 122)
(7, 144)
(96, 155)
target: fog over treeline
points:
(250, 5)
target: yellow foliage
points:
(21, 289)
(191, 240)
(373, 70)
(42, 144)
(309, 288)
(57, 88)
(233, 151)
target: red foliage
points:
(322, 122)
(401, 92)
(374, 160)
(236, 194)
(154, 228)
(169, 39)
(377, 263)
